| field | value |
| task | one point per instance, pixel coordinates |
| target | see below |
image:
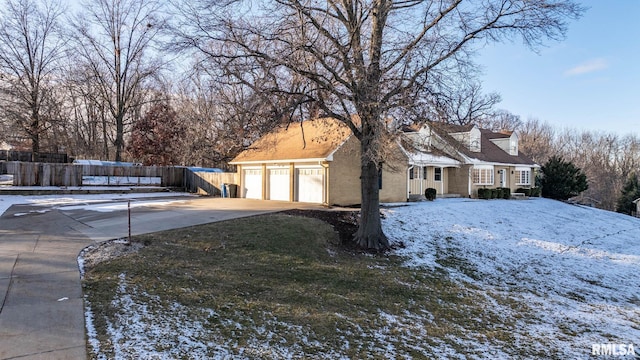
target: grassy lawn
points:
(278, 286)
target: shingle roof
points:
(496, 135)
(493, 153)
(311, 139)
(490, 152)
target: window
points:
(483, 176)
(437, 174)
(414, 173)
(523, 177)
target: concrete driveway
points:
(41, 301)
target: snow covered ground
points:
(576, 268)
(95, 202)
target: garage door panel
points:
(253, 184)
(279, 184)
(310, 185)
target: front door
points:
(503, 178)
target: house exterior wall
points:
(341, 177)
(419, 184)
(344, 177)
(511, 178)
(459, 180)
(344, 174)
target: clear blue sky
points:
(589, 81)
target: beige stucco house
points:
(428, 167)
(485, 159)
(316, 161)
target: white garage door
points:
(253, 184)
(310, 185)
(279, 184)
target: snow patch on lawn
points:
(566, 276)
(140, 331)
(80, 201)
(575, 267)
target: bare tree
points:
(30, 47)
(368, 58)
(606, 158)
(463, 102)
(114, 40)
(499, 120)
(537, 139)
(89, 132)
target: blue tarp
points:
(201, 169)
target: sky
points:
(589, 81)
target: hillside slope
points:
(574, 269)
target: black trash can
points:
(233, 190)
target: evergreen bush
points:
(494, 193)
(483, 194)
(430, 194)
(562, 180)
(630, 191)
(536, 191)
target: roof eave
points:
(274, 161)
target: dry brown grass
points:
(280, 282)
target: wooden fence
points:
(13, 155)
(45, 174)
(208, 182)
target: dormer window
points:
(474, 145)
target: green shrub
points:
(536, 191)
(561, 179)
(430, 194)
(525, 191)
(494, 193)
(499, 193)
(630, 191)
(484, 194)
(506, 193)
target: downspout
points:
(265, 178)
(409, 181)
(325, 190)
(469, 182)
(423, 175)
(441, 180)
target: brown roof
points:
(311, 139)
(496, 135)
(453, 128)
(493, 153)
(490, 152)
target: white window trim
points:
(488, 169)
(519, 172)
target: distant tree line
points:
(606, 158)
(81, 80)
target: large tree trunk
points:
(119, 143)
(34, 132)
(369, 235)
